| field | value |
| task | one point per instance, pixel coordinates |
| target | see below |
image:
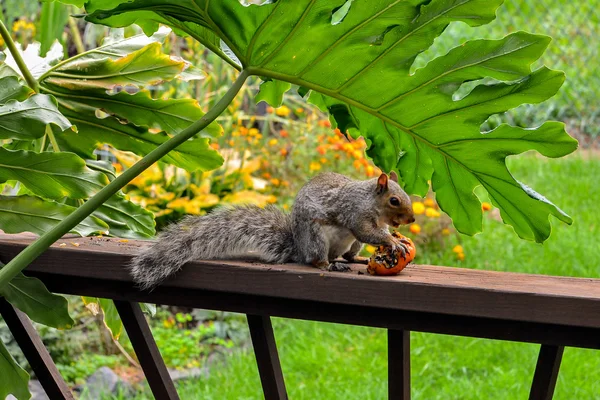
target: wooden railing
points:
(552, 311)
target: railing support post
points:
(36, 353)
(398, 364)
(146, 350)
(267, 359)
(546, 372)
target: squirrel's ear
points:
(394, 176)
(382, 183)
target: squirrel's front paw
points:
(400, 245)
(338, 267)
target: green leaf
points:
(31, 296)
(358, 56)
(143, 67)
(192, 155)
(53, 19)
(51, 175)
(76, 3)
(26, 120)
(32, 214)
(148, 308)
(11, 89)
(171, 116)
(13, 379)
(272, 92)
(126, 219)
(111, 317)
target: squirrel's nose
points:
(410, 220)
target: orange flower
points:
(445, 231)
(370, 171)
(323, 160)
(322, 149)
(325, 123)
(357, 164)
(485, 206)
(460, 256)
(275, 182)
(432, 212)
(337, 131)
(430, 203)
(215, 146)
(266, 175)
(415, 228)
(284, 152)
(283, 133)
(458, 249)
(270, 109)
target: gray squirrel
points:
(332, 216)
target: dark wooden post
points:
(546, 372)
(146, 350)
(267, 359)
(36, 353)
(398, 364)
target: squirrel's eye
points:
(394, 201)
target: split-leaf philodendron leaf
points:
(356, 57)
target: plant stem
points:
(76, 36)
(31, 82)
(50, 135)
(23, 259)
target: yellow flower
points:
(485, 206)
(418, 208)
(415, 228)
(429, 203)
(370, 171)
(314, 166)
(432, 212)
(460, 256)
(323, 160)
(457, 249)
(299, 110)
(370, 249)
(445, 231)
(273, 142)
(253, 132)
(283, 111)
(271, 199)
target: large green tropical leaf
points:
(171, 116)
(25, 120)
(11, 89)
(51, 175)
(146, 66)
(31, 296)
(32, 214)
(99, 91)
(13, 379)
(192, 155)
(358, 58)
(126, 219)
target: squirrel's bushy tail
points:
(264, 234)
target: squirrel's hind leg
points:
(311, 244)
(352, 254)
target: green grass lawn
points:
(329, 361)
